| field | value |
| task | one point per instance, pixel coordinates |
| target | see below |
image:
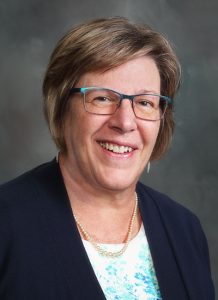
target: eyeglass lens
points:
(100, 101)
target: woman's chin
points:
(117, 182)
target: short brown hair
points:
(102, 44)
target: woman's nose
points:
(124, 118)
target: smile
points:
(116, 148)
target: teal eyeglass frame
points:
(122, 96)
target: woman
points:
(75, 228)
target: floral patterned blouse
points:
(130, 276)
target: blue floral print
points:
(130, 276)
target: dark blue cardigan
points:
(42, 256)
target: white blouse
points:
(130, 276)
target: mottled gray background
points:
(29, 31)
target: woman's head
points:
(101, 45)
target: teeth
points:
(116, 148)
(122, 149)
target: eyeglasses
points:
(102, 101)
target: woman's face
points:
(85, 133)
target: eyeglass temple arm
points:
(75, 90)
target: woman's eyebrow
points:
(144, 91)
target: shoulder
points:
(18, 198)
(182, 226)
(16, 189)
(21, 205)
(24, 195)
(20, 187)
(165, 205)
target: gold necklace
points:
(98, 248)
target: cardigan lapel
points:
(63, 234)
(167, 272)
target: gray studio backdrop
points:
(189, 173)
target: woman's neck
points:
(104, 214)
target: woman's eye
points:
(101, 99)
(144, 103)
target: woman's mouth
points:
(116, 148)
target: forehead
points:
(135, 76)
